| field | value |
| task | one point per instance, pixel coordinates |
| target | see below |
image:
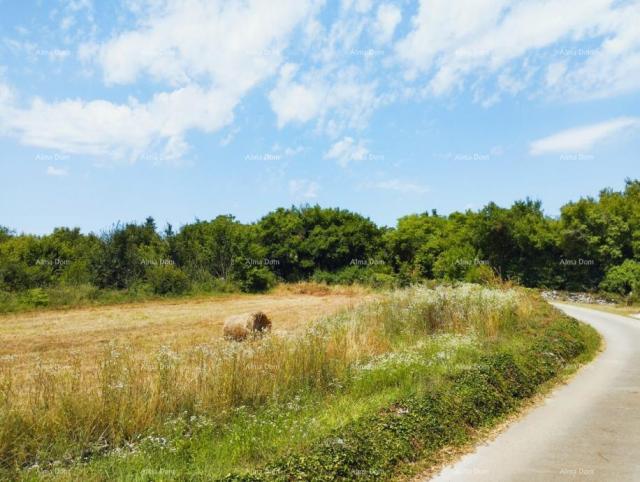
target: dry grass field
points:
(77, 381)
(49, 337)
(108, 393)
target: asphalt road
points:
(586, 430)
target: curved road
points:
(587, 430)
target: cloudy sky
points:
(192, 108)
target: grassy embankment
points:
(356, 396)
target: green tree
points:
(519, 242)
(222, 248)
(125, 254)
(303, 240)
(415, 244)
(623, 279)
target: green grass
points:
(78, 296)
(410, 375)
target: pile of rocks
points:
(588, 298)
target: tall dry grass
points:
(63, 412)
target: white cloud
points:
(67, 23)
(287, 151)
(57, 171)
(294, 102)
(398, 186)
(337, 100)
(77, 5)
(388, 17)
(119, 131)
(57, 55)
(229, 137)
(613, 68)
(205, 40)
(6, 93)
(292, 151)
(207, 55)
(71, 13)
(7, 96)
(581, 139)
(555, 72)
(34, 52)
(346, 151)
(199, 48)
(303, 188)
(451, 41)
(360, 6)
(337, 86)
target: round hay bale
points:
(239, 327)
(259, 322)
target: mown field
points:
(350, 385)
(50, 337)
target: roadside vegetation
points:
(592, 245)
(355, 396)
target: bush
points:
(8, 301)
(167, 279)
(383, 280)
(369, 276)
(455, 262)
(36, 297)
(623, 279)
(258, 279)
(73, 295)
(484, 275)
(78, 273)
(215, 285)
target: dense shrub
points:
(258, 279)
(623, 279)
(36, 297)
(377, 277)
(167, 279)
(482, 274)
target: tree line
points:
(593, 244)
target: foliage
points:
(520, 243)
(303, 240)
(167, 279)
(258, 279)
(374, 276)
(36, 297)
(623, 279)
(216, 248)
(125, 253)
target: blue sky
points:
(185, 109)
